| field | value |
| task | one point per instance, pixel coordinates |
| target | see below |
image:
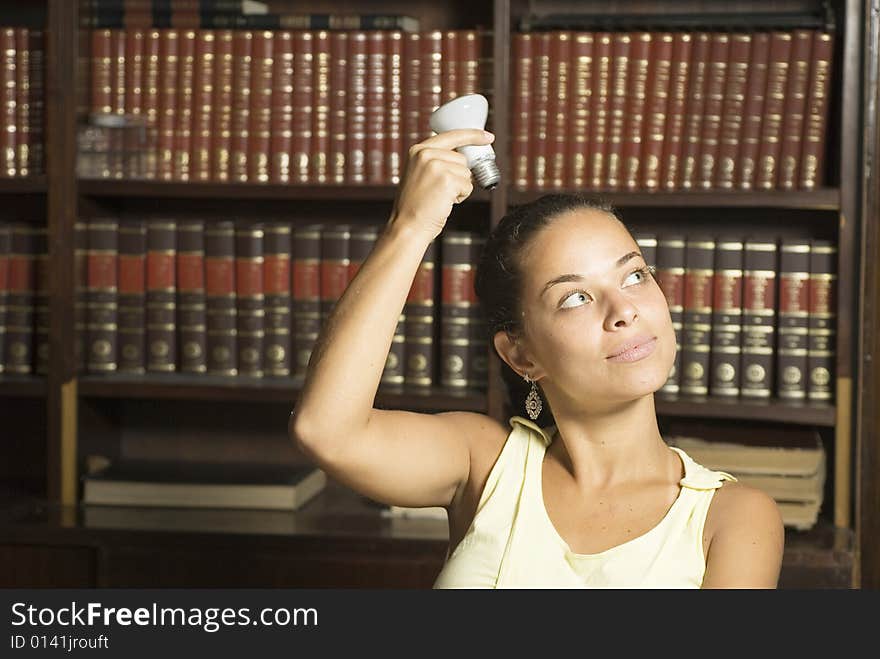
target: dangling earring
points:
(533, 400)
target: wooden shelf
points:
(257, 191)
(22, 386)
(25, 185)
(210, 387)
(737, 408)
(824, 199)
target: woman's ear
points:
(511, 350)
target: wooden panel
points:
(30, 566)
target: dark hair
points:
(498, 281)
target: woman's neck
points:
(610, 448)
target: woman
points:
(595, 500)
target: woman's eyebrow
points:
(572, 277)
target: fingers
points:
(419, 152)
(452, 139)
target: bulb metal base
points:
(486, 173)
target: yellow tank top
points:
(512, 543)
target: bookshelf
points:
(62, 417)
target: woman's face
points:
(595, 322)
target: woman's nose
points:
(621, 312)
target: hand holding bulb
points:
(437, 177)
(469, 111)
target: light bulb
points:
(469, 111)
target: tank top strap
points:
(699, 478)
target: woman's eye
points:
(574, 300)
(636, 277)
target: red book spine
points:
(169, 48)
(8, 165)
(658, 91)
(412, 67)
(276, 282)
(670, 277)
(102, 295)
(161, 305)
(716, 80)
(726, 358)
(133, 165)
(538, 115)
(621, 45)
(80, 274)
(22, 100)
(335, 263)
(239, 140)
(485, 67)
(697, 316)
(184, 123)
(794, 301)
(823, 315)
(468, 62)
(759, 318)
(419, 312)
(430, 79)
(752, 112)
(5, 248)
(731, 132)
(203, 107)
(303, 100)
(449, 66)
(679, 84)
(220, 316)
(816, 114)
(306, 299)
(693, 127)
(37, 114)
(338, 106)
(634, 119)
(260, 122)
(520, 119)
(150, 96)
(101, 70)
(19, 346)
(356, 111)
(41, 301)
(221, 126)
(794, 109)
(132, 275)
(281, 113)
(774, 105)
(191, 300)
(117, 71)
(580, 89)
(249, 299)
(600, 108)
(321, 91)
(558, 126)
(375, 108)
(394, 137)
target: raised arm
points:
(397, 457)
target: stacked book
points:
(153, 483)
(22, 89)
(793, 473)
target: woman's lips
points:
(635, 353)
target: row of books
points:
(232, 298)
(652, 110)
(229, 14)
(21, 91)
(753, 318)
(282, 106)
(24, 299)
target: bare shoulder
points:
(485, 437)
(745, 538)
